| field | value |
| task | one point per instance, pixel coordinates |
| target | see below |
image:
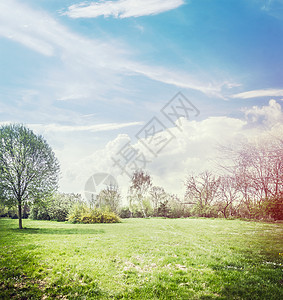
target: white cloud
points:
(91, 128)
(193, 149)
(264, 116)
(122, 8)
(260, 93)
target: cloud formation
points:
(260, 93)
(265, 116)
(122, 8)
(193, 149)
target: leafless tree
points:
(201, 189)
(258, 168)
(228, 193)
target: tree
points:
(201, 190)
(158, 196)
(228, 193)
(257, 166)
(140, 185)
(29, 170)
(109, 197)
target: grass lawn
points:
(142, 259)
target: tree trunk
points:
(224, 212)
(142, 208)
(20, 215)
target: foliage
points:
(274, 207)
(177, 209)
(163, 209)
(39, 212)
(157, 196)
(8, 212)
(125, 213)
(250, 187)
(55, 208)
(28, 167)
(80, 213)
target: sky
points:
(153, 84)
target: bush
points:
(76, 212)
(8, 212)
(274, 207)
(39, 213)
(164, 210)
(125, 213)
(80, 213)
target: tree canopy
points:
(29, 170)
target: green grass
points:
(142, 259)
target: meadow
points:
(142, 259)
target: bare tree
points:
(228, 193)
(258, 168)
(201, 190)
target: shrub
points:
(274, 207)
(8, 212)
(81, 213)
(125, 213)
(164, 209)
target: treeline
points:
(248, 184)
(63, 207)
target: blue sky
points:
(88, 75)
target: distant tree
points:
(228, 193)
(110, 197)
(29, 170)
(139, 188)
(177, 208)
(157, 196)
(201, 190)
(257, 166)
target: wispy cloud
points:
(90, 128)
(260, 93)
(88, 68)
(122, 8)
(273, 7)
(179, 78)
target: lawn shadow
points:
(60, 231)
